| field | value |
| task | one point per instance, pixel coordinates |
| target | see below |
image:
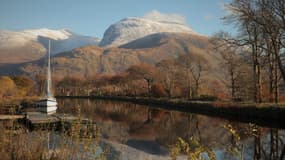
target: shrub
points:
(157, 90)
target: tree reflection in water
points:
(126, 122)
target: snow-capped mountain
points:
(63, 39)
(133, 28)
(29, 45)
(53, 34)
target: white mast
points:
(48, 103)
(48, 94)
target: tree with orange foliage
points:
(157, 90)
(7, 86)
(23, 83)
(143, 71)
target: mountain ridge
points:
(30, 45)
(132, 28)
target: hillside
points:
(90, 60)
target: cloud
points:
(161, 17)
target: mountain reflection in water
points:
(153, 130)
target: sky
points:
(93, 17)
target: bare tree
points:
(242, 13)
(169, 70)
(262, 24)
(186, 62)
(232, 64)
(196, 74)
(193, 68)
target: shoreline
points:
(267, 115)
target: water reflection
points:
(153, 130)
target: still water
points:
(154, 131)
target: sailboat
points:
(48, 103)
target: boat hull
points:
(48, 110)
(48, 105)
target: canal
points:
(149, 131)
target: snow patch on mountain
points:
(53, 34)
(62, 40)
(133, 28)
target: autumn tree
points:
(119, 80)
(7, 86)
(23, 84)
(157, 90)
(143, 71)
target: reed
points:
(17, 143)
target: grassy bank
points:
(269, 115)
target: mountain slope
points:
(29, 45)
(158, 39)
(90, 60)
(133, 28)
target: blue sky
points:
(92, 17)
